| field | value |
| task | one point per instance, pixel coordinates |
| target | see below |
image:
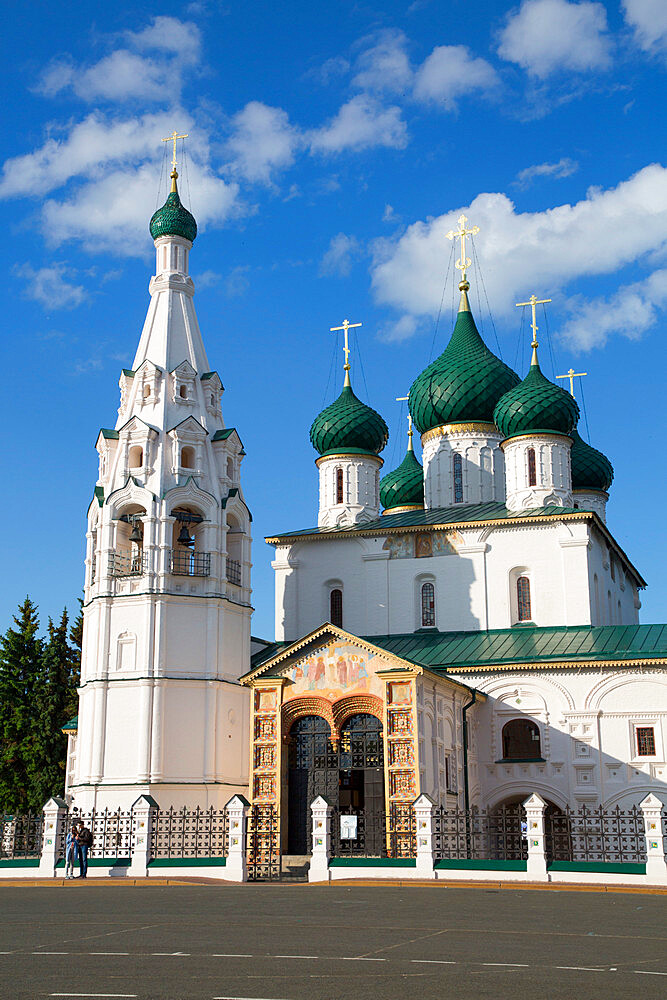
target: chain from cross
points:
(404, 399)
(532, 302)
(571, 374)
(464, 263)
(345, 327)
(172, 138)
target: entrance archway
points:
(348, 772)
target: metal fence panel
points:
(21, 836)
(189, 833)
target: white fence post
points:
(55, 813)
(236, 868)
(143, 810)
(656, 867)
(537, 860)
(423, 807)
(319, 861)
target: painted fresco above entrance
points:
(333, 671)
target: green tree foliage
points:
(20, 661)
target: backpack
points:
(86, 837)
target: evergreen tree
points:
(55, 702)
(20, 660)
(76, 639)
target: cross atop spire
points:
(404, 399)
(346, 325)
(532, 302)
(571, 374)
(172, 138)
(464, 262)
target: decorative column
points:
(237, 822)
(537, 860)
(319, 862)
(143, 813)
(53, 834)
(423, 807)
(656, 866)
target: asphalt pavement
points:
(300, 942)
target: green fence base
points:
(372, 863)
(19, 862)
(187, 863)
(482, 865)
(612, 868)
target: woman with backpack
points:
(84, 839)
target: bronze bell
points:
(135, 534)
(184, 537)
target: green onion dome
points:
(349, 426)
(591, 470)
(173, 219)
(536, 406)
(464, 383)
(404, 487)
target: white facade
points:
(463, 463)
(538, 472)
(349, 489)
(166, 624)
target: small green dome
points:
(348, 425)
(464, 383)
(591, 470)
(536, 405)
(173, 219)
(405, 485)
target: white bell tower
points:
(167, 588)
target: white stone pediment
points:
(147, 367)
(190, 493)
(136, 424)
(131, 493)
(185, 370)
(189, 427)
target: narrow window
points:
(136, 457)
(612, 568)
(183, 392)
(187, 458)
(339, 485)
(523, 599)
(458, 478)
(428, 605)
(521, 740)
(147, 391)
(645, 741)
(609, 609)
(336, 607)
(212, 400)
(532, 477)
(230, 468)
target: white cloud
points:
(564, 167)
(262, 141)
(385, 65)
(51, 286)
(450, 72)
(237, 282)
(342, 252)
(630, 312)
(150, 68)
(526, 252)
(546, 36)
(360, 124)
(207, 279)
(395, 331)
(648, 18)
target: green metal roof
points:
(405, 485)
(464, 383)
(108, 434)
(128, 372)
(173, 219)
(223, 434)
(348, 425)
(449, 652)
(534, 406)
(99, 495)
(590, 468)
(71, 726)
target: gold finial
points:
(533, 301)
(571, 374)
(404, 399)
(464, 262)
(346, 348)
(172, 138)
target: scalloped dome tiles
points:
(534, 406)
(591, 470)
(463, 384)
(173, 219)
(348, 425)
(404, 487)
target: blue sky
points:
(331, 148)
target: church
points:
(467, 627)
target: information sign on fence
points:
(348, 828)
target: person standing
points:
(71, 850)
(84, 839)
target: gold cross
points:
(464, 263)
(345, 327)
(404, 399)
(533, 301)
(172, 138)
(571, 374)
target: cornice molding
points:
(467, 427)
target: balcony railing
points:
(190, 563)
(127, 564)
(234, 572)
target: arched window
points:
(612, 568)
(136, 457)
(230, 468)
(187, 458)
(183, 392)
(336, 607)
(339, 485)
(147, 390)
(532, 475)
(610, 609)
(521, 740)
(457, 465)
(524, 613)
(428, 605)
(596, 589)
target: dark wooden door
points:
(313, 771)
